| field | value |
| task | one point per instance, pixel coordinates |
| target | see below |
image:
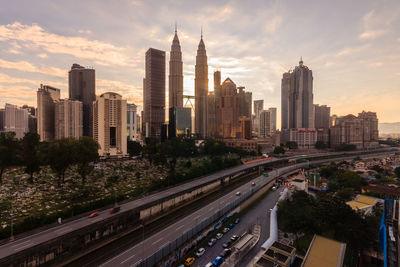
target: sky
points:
(352, 47)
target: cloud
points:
(375, 64)
(35, 37)
(28, 67)
(42, 55)
(272, 24)
(128, 92)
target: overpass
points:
(60, 243)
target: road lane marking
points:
(210, 209)
(122, 262)
(179, 227)
(157, 241)
(17, 245)
(136, 263)
(20, 248)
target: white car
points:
(200, 252)
(226, 230)
(212, 242)
(238, 193)
(219, 236)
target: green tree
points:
(61, 154)
(279, 150)
(291, 145)
(397, 172)
(8, 151)
(134, 148)
(86, 155)
(320, 145)
(345, 179)
(29, 151)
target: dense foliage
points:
(345, 147)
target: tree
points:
(61, 154)
(279, 150)
(291, 145)
(345, 179)
(8, 151)
(30, 157)
(134, 148)
(86, 154)
(397, 172)
(320, 145)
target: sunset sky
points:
(353, 47)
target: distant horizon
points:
(355, 60)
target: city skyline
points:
(356, 57)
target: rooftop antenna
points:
(176, 27)
(201, 32)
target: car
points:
(200, 252)
(226, 229)
(218, 261)
(219, 236)
(225, 253)
(209, 264)
(234, 237)
(231, 225)
(94, 214)
(227, 244)
(253, 184)
(115, 209)
(238, 193)
(181, 265)
(274, 188)
(237, 220)
(212, 242)
(189, 261)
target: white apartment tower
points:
(68, 116)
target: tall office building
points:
(201, 90)
(82, 87)
(46, 95)
(154, 93)
(211, 114)
(228, 111)
(258, 106)
(322, 116)
(265, 123)
(132, 122)
(109, 124)
(68, 118)
(297, 98)
(175, 74)
(14, 119)
(180, 122)
(244, 102)
(273, 119)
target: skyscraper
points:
(244, 102)
(228, 111)
(109, 127)
(201, 90)
(257, 107)
(175, 74)
(273, 119)
(132, 122)
(154, 93)
(322, 116)
(46, 95)
(68, 116)
(82, 87)
(297, 98)
(265, 123)
(14, 119)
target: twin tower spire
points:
(200, 82)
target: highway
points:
(55, 232)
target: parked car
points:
(115, 209)
(227, 244)
(219, 236)
(253, 184)
(237, 220)
(94, 214)
(231, 225)
(189, 261)
(234, 237)
(212, 242)
(226, 229)
(225, 253)
(238, 193)
(209, 264)
(200, 252)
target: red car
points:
(94, 214)
(115, 209)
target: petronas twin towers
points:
(200, 84)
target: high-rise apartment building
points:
(68, 118)
(132, 122)
(82, 87)
(46, 95)
(258, 106)
(245, 127)
(154, 93)
(109, 124)
(265, 123)
(201, 90)
(322, 116)
(211, 114)
(297, 98)
(175, 74)
(273, 119)
(14, 119)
